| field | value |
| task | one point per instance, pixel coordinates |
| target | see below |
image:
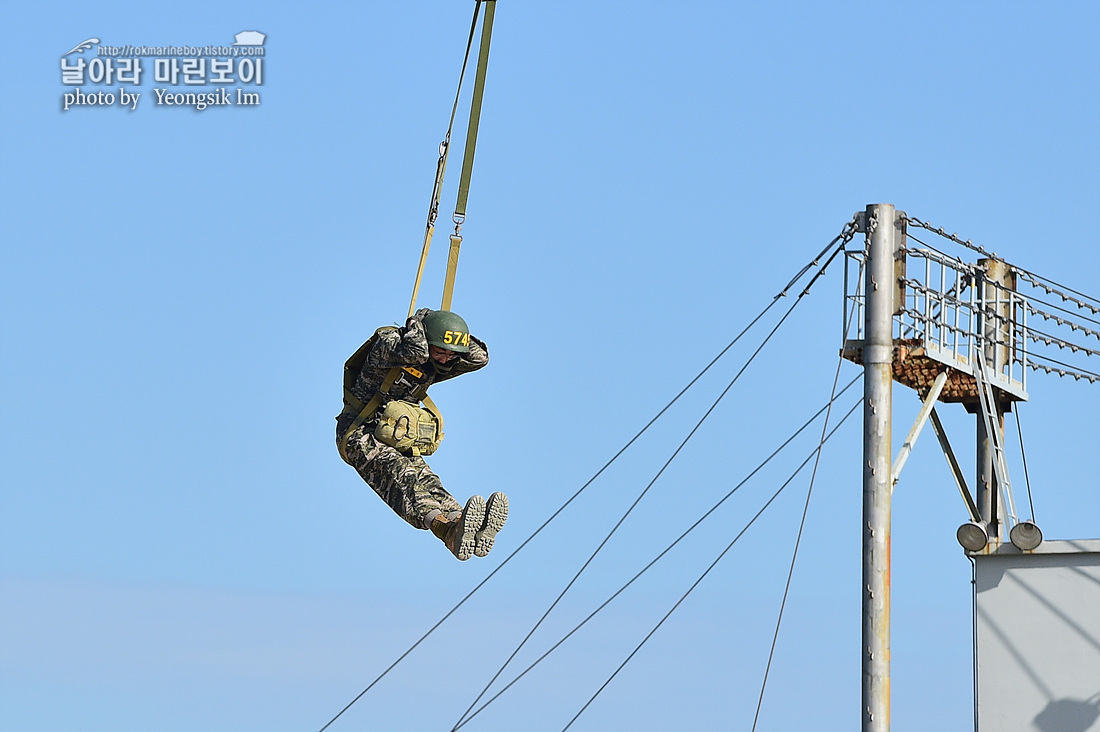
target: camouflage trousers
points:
(404, 482)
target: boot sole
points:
(496, 513)
(473, 516)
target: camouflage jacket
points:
(407, 348)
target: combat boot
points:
(496, 513)
(458, 530)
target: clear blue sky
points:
(181, 547)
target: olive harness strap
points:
(366, 411)
(468, 159)
(441, 166)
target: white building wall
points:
(1037, 638)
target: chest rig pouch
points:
(403, 425)
(408, 428)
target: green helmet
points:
(447, 330)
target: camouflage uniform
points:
(404, 482)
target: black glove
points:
(415, 323)
(418, 316)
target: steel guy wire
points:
(1063, 321)
(952, 237)
(1047, 284)
(844, 236)
(1030, 304)
(1023, 458)
(630, 510)
(662, 554)
(556, 513)
(956, 260)
(1054, 288)
(1065, 371)
(1067, 311)
(805, 512)
(1039, 336)
(709, 568)
(1067, 367)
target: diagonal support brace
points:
(922, 417)
(956, 471)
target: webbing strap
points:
(475, 111)
(424, 252)
(452, 268)
(430, 406)
(441, 166)
(367, 410)
(468, 157)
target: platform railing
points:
(955, 311)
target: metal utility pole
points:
(961, 337)
(995, 318)
(880, 286)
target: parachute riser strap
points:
(441, 166)
(475, 112)
(452, 269)
(468, 157)
(433, 212)
(468, 161)
(420, 268)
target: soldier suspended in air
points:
(383, 432)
